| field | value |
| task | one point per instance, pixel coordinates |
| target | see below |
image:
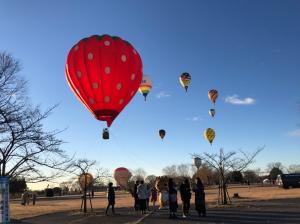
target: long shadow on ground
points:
(271, 211)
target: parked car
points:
(288, 180)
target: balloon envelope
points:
(213, 95)
(185, 80)
(104, 72)
(209, 134)
(85, 179)
(197, 162)
(212, 112)
(145, 86)
(162, 133)
(122, 176)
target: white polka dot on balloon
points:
(121, 101)
(95, 85)
(107, 70)
(106, 99)
(119, 86)
(123, 58)
(132, 77)
(78, 74)
(90, 56)
(106, 43)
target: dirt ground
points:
(256, 205)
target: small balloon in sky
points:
(213, 95)
(209, 134)
(197, 162)
(185, 80)
(212, 112)
(162, 133)
(145, 86)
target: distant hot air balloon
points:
(197, 162)
(212, 112)
(162, 133)
(85, 179)
(213, 95)
(209, 134)
(122, 176)
(104, 72)
(185, 80)
(145, 86)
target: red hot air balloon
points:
(122, 176)
(104, 72)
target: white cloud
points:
(295, 133)
(237, 101)
(162, 94)
(194, 119)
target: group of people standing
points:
(143, 192)
(185, 191)
(25, 198)
(186, 195)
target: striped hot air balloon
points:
(212, 112)
(145, 86)
(213, 95)
(185, 80)
(209, 134)
(197, 162)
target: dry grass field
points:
(124, 201)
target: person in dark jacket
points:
(173, 205)
(185, 193)
(200, 198)
(111, 198)
(135, 196)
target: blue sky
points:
(245, 49)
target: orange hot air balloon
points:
(104, 72)
(213, 95)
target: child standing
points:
(154, 197)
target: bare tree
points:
(170, 171)
(25, 147)
(206, 174)
(139, 174)
(294, 168)
(150, 179)
(272, 165)
(224, 163)
(184, 170)
(84, 166)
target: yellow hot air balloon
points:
(185, 80)
(145, 86)
(213, 95)
(209, 134)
